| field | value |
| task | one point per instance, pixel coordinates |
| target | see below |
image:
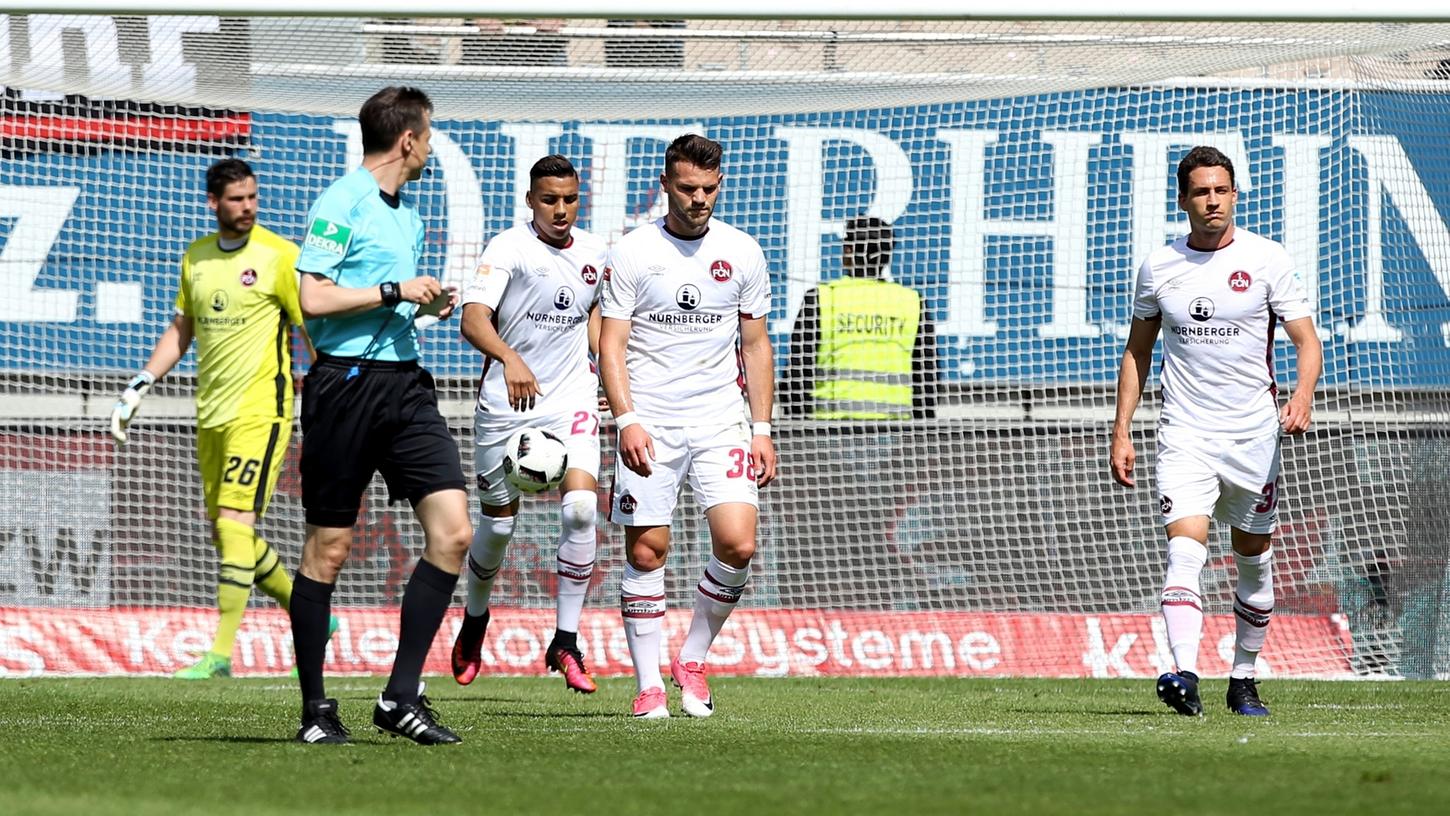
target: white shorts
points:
(1233, 480)
(579, 430)
(716, 459)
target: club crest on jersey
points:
(688, 297)
(1165, 504)
(721, 271)
(219, 301)
(1200, 309)
(1240, 281)
(628, 504)
(249, 277)
(564, 298)
(590, 274)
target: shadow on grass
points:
(1116, 712)
(550, 715)
(228, 738)
(475, 697)
(370, 739)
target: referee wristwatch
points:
(391, 292)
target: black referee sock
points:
(425, 602)
(310, 609)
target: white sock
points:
(642, 604)
(1253, 605)
(717, 593)
(485, 556)
(577, 542)
(1182, 601)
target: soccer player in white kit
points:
(684, 331)
(531, 308)
(1218, 292)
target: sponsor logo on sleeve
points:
(329, 236)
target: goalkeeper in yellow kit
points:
(238, 299)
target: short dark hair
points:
(1203, 156)
(389, 113)
(552, 166)
(871, 240)
(224, 172)
(696, 149)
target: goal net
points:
(1025, 167)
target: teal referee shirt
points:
(356, 237)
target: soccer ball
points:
(534, 460)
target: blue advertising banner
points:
(1021, 220)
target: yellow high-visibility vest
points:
(868, 329)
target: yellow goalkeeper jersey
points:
(242, 304)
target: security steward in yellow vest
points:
(866, 340)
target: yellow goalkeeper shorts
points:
(240, 461)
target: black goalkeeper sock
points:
(310, 609)
(425, 602)
(566, 640)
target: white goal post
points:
(1023, 155)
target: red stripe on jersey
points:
(546, 241)
(483, 375)
(487, 360)
(1269, 353)
(740, 369)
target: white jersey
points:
(1219, 310)
(541, 296)
(685, 298)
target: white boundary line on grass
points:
(983, 731)
(1059, 732)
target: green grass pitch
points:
(895, 747)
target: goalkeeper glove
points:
(126, 406)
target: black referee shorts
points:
(366, 416)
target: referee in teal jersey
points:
(368, 407)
